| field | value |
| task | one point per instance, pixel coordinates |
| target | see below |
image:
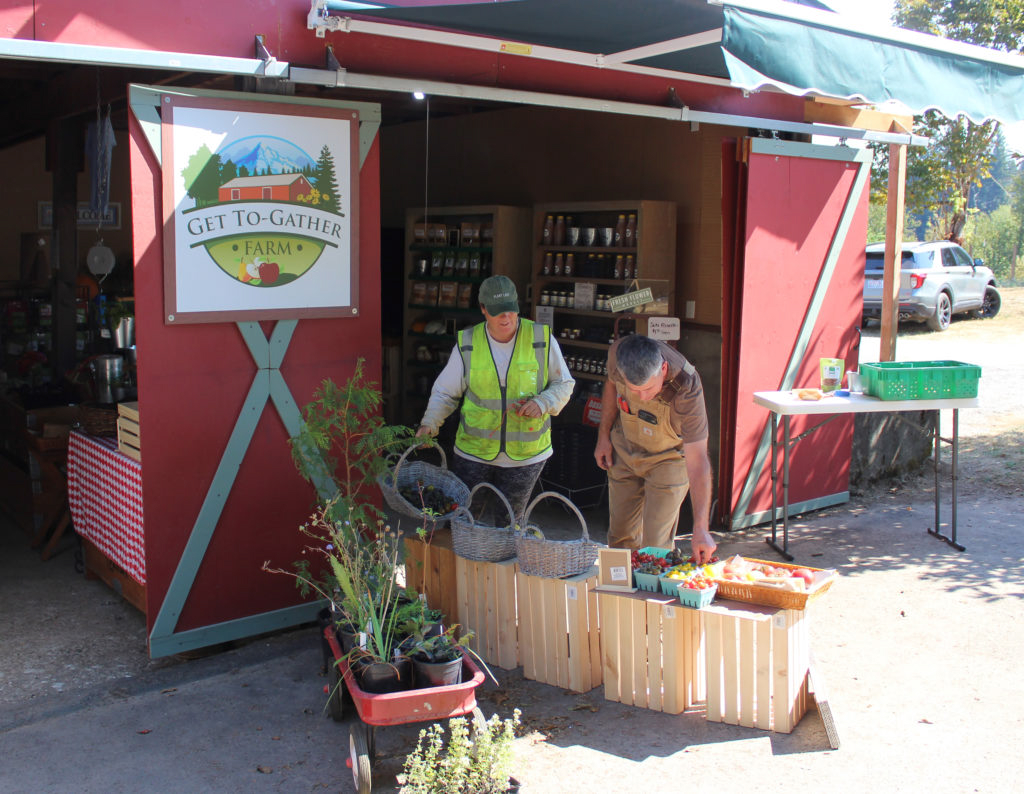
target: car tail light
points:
(917, 280)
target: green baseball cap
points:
(498, 295)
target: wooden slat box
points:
(487, 607)
(653, 651)
(430, 569)
(757, 665)
(559, 635)
(128, 437)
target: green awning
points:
(798, 48)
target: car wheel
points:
(943, 313)
(990, 305)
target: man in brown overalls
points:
(653, 442)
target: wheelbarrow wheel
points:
(335, 693)
(359, 752)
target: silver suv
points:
(937, 280)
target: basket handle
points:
(556, 495)
(504, 501)
(418, 445)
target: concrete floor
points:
(919, 644)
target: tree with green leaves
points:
(942, 177)
(202, 176)
(326, 182)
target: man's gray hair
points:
(639, 359)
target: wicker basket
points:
(473, 540)
(416, 473)
(769, 596)
(554, 559)
(97, 421)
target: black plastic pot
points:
(348, 636)
(380, 678)
(437, 673)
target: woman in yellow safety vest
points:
(509, 377)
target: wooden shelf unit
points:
(654, 257)
(505, 252)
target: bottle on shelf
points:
(570, 264)
(559, 233)
(549, 262)
(630, 240)
(618, 266)
(627, 268)
(559, 259)
(620, 231)
(549, 230)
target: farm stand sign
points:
(260, 202)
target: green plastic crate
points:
(920, 380)
(696, 599)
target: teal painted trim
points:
(234, 629)
(367, 132)
(807, 328)
(256, 341)
(144, 102)
(809, 151)
(280, 338)
(202, 531)
(753, 519)
(322, 480)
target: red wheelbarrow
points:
(427, 704)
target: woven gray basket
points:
(474, 540)
(554, 559)
(415, 473)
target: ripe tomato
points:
(804, 574)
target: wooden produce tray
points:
(771, 596)
(128, 439)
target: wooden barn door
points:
(793, 294)
(218, 402)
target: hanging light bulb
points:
(100, 260)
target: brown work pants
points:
(645, 492)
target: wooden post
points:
(893, 248)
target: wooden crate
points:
(128, 440)
(98, 565)
(487, 607)
(757, 665)
(559, 635)
(653, 651)
(430, 569)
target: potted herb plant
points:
(472, 762)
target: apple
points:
(269, 271)
(804, 574)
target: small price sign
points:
(665, 328)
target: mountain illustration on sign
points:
(266, 180)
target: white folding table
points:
(786, 404)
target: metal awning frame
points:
(268, 67)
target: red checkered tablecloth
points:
(105, 495)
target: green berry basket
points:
(647, 581)
(668, 586)
(696, 599)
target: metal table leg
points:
(786, 443)
(954, 442)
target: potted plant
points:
(352, 556)
(437, 658)
(480, 763)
